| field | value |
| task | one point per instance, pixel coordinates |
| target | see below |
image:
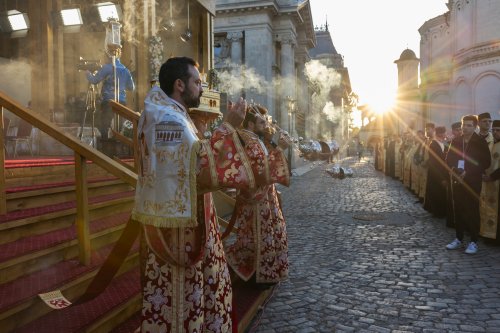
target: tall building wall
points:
(460, 68)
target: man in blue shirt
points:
(105, 75)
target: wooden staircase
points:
(59, 222)
(39, 252)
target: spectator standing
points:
(490, 192)
(467, 158)
(435, 196)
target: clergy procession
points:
(215, 166)
(186, 279)
(453, 172)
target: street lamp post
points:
(291, 109)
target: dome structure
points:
(407, 55)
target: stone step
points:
(40, 220)
(37, 172)
(30, 254)
(26, 197)
(21, 310)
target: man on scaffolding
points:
(124, 82)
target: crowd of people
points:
(185, 265)
(455, 176)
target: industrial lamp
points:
(15, 23)
(71, 17)
(186, 36)
(109, 10)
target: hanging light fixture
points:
(15, 23)
(109, 10)
(71, 17)
(170, 25)
(186, 36)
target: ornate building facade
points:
(338, 95)
(460, 61)
(261, 48)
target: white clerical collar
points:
(177, 103)
(193, 126)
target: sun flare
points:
(381, 102)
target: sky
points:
(371, 35)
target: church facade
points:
(332, 99)
(460, 62)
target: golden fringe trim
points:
(243, 156)
(195, 151)
(211, 163)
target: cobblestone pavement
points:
(392, 274)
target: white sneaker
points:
(454, 245)
(472, 248)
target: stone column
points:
(288, 83)
(303, 90)
(235, 38)
(287, 79)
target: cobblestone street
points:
(365, 257)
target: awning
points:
(209, 5)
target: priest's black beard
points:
(189, 100)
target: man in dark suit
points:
(456, 131)
(467, 158)
(435, 190)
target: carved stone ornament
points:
(461, 3)
(235, 36)
(222, 49)
(286, 38)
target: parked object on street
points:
(340, 172)
(313, 150)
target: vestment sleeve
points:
(223, 162)
(278, 167)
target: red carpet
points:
(30, 212)
(76, 318)
(245, 295)
(34, 243)
(17, 291)
(52, 185)
(40, 161)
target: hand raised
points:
(284, 140)
(236, 113)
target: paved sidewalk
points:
(364, 257)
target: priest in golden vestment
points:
(418, 157)
(489, 192)
(430, 129)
